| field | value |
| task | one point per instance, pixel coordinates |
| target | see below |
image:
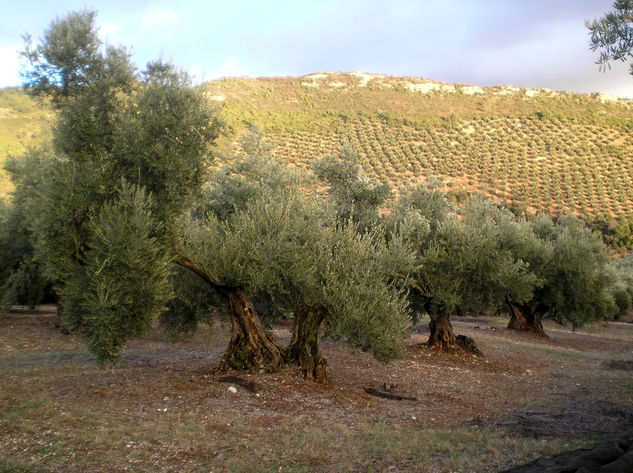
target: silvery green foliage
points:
(64, 62)
(356, 197)
(258, 215)
(21, 277)
(365, 309)
(466, 263)
(193, 303)
(621, 271)
(494, 269)
(244, 176)
(282, 239)
(130, 153)
(123, 282)
(570, 262)
(251, 179)
(428, 202)
(579, 282)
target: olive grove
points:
(128, 199)
(130, 214)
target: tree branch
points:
(413, 284)
(193, 267)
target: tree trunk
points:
(518, 321)
(251, 348)
(304, 347)
(442, 335)
(525, 318)
(559, 319)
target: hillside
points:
(538, 150)
(23, 123)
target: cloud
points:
(160, 17)
(110, 28)
(112, 32)
(10, 70)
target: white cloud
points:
(10, 70)
(109, 30)
(160, 17)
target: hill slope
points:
(534, 149)
(23, 123)
(537, 149)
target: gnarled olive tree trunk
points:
(526, 318)
(442, 335)
(304, 348)
(251, 347)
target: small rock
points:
(389, 387)
(232, 389)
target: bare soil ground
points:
(162, 409)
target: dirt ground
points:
(162, 409)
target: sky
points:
(522, 43)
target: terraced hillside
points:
(546, 165)
(534, 149)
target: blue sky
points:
(524, 43)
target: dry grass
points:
(162, 409)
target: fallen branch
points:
(395, 397)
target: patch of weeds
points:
(46, 450)
(14, 466)
(559, 351)
(622, 385)
(379, 446)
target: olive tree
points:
(352, 287)
(576, 282)
(263, 229)
(467, 267)
(621, 270)
(130, 153)
(466, 263)
(21, 277)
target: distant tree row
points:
(482, 259)
(120, 219)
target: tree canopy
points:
(129, 154)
